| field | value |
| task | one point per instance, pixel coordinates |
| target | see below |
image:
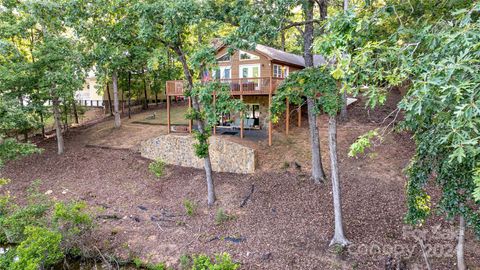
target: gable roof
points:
(286, 57)
(279, 55)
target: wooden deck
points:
(238, 87)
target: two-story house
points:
(252, 76)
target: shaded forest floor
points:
(287, 223)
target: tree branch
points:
(296, 24)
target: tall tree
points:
(109, 27)
(321, 87)
(318, 173)
(55, 63)
(432, 50)
(181, 38)
(263, 21)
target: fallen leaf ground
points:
(287, 222)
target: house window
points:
(280, 71)
(250, 71)
(224, 58)
(247, 56)
(223, 73)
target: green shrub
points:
(72, 217)
(8, 258)
(14, 219)
(12, 225)
(185, 262)
(73, 222)
(44, 232)
(222, 261)
(190, 207)
(40, 249)
(157, 167)
(221, 216)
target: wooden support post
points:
(287, 117)
(270, 126)
(299, 115)
(168, 114)
(190, 122)
(215, 125)
(241, 120)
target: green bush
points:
(190, 207)
(73, 222)
(157, 167)
(185, 262)
(43, 231)
(222, 261)
(12, 225)
(40, 249)
(8, 258)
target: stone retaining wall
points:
(178, 150)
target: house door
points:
(251, 72)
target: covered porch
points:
(262, 88)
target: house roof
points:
(279, 55)
(286, 57)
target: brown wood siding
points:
(235, 63)
(266, 65)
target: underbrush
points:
(221, 261)
(43, 232)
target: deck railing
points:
(240, 86)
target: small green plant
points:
(363, 143)
(221, 216)
(338, 249)
(4, 181)
(157, 167)
(139, 264)
(185, 262)
(222, 261)
(285, 165)
(190, 207)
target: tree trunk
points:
(25, 132)
(65, 110)
(339, 237)
(109, 100)
(461, 245)
(156, 99)
(75, 113)
(145, 92)
(115, 100)
(343, 112)
(58, 124)
(129, 98)
(201, 127)
(318, 174)
(43, 123)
